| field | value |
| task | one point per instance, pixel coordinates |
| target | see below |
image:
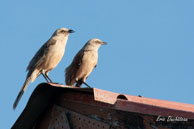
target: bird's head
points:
(63, 32)
(96, 42)
(93, 44)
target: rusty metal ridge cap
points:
(111, 98)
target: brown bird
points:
(46, 59)
(83, 63)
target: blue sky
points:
(150, 46)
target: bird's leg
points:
(45, 77)
(80, 81)
(50, 81)
(48, 78)
(86, 84)
(46, 74)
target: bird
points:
(46, 59)
(83, 63)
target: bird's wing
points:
(73, 68)
(39, 57)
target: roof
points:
(71, 99)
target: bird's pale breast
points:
(55, 54)
(89, 61)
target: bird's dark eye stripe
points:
(98, 42)
(63, 31)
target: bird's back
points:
(50, 52)
(70, 71)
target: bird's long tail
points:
(32, 75)
(25, 85)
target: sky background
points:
(150, 46)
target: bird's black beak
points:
(71, 31)
(104, 43)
